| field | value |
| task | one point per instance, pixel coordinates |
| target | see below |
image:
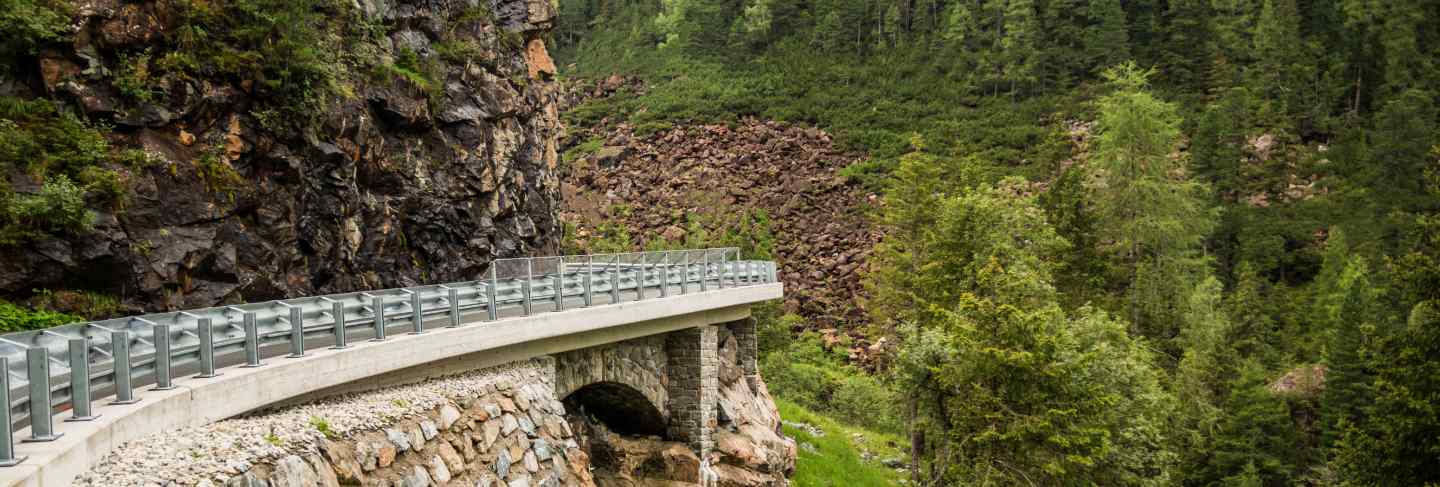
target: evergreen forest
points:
(1141, 242)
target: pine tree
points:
(1256, 437)
(1021, 45)
(1187, 51)
(1280, 69)
(1349, 372)
(1107, 42)
(1218, 144)
(1205, 370)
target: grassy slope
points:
(836, 459)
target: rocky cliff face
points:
(400, 142)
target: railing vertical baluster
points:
(297, 330)
(589, 280)
(525, 286)
(641, 274)
(664, 274)
(252, 341)
(492, 312)
(377, 304)
(80, 403)
(206, 333)
(704, 269)
(558, 284)
(453, 297)
(7, 432)
(337, 314)
(162, 358)
(685, 273)
(417, 314)
(615, 279)
(42, 426)
(120, 351)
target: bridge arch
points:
(625, 371)
(622, 408)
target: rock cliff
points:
(283, 148)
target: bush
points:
(806, 373)
(14, 318)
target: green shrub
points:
(819, 379)
(60, 206)
(15, 318)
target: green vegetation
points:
(323, 426)
(803, 371)
(834, 459)
(16, 318)
(1119, 235)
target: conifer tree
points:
(1349, 373)
(1280, 67)
(1147, 204)
(1107, 42)
(1256, 436)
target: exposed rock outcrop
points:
(398, 180)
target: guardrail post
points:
(589, 280)
(452, 296)
(297, 331)
(337, 312)
(558, 285)
(206, 332)
(7, 433)
(640, 275)
(615, 279)
(704, 269)
(162, 358)
(377, 305)
(42, 426)
(417, 313)
(120, 351)
(80, 405)
(664, 274)
(491, 311)
(525, 286)
(252, 342)
(685, 274)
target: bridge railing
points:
(67, 367)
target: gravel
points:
(221, 450)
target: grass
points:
(836, 459)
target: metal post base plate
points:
(122, 403)
(251, 366)
(166, 388)
(41, 439)
(76, 419)
(10, 462)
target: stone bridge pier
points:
(664, 385)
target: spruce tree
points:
(1107, 42)
(1256, 437)
(1349, 371)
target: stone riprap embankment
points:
(492, 427)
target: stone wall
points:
(495, 427)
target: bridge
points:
(633, 337)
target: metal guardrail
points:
(66, 366)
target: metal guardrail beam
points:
(113, 356)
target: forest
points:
(1150, 242)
